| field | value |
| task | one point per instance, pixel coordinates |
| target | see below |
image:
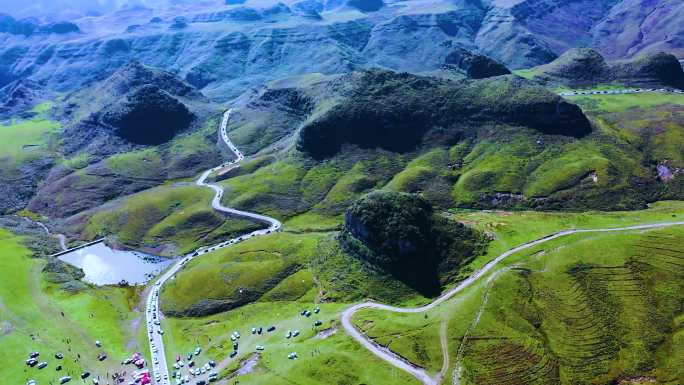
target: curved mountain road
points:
(420, 373)
(160, 368)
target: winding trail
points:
(160, 368)
(420, 373)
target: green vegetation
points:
(621, 103)
(603, 306)
(295, 185)
(77, 161)
(335, 359)
(511, 228)
(588, 307)
(139, 164)
(31, 320)
(398, 112)
(24, 140)
(400, 233)
(241, 274)
(168, 220)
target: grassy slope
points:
(26, 139)
(29, 140)
(614, 320)
(248, 266)
(623, 148)
(415, 336)
(29, 306)
(246, 271)
(171, 219)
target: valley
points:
(342, 192)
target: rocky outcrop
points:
(30, 27)
(366, 5)
(586, 67)
(474, 65)
(654, 69)
(519, 34)
(224, 52)
(400, 233)
(636, 27)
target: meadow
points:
(38, 316)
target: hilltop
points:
(587, 67)
(501, 142)
(126, 133)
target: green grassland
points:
(333, 360)
(652, 122)
(274, 267)
(511, 228)
(273, 278)
(617, 103)
(31, 320)
(586, 308)
(169, 220)
(23, 140)
(295, 185)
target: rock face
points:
(400, 233)
(474, 65)
(398, 112)
(366, 5)
(585, 67)
(635, 27)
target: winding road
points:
(160, 368)
(420, 373)
(622, 91)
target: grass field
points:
(27, 139)
(31, 320)
(333, 360)
(512, 228)
(588, 308)
(617, 103)
(274, 266)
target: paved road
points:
(622, 91)
(418, 372)
(160, 370)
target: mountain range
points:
(224, 47)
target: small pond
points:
(103, 265)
